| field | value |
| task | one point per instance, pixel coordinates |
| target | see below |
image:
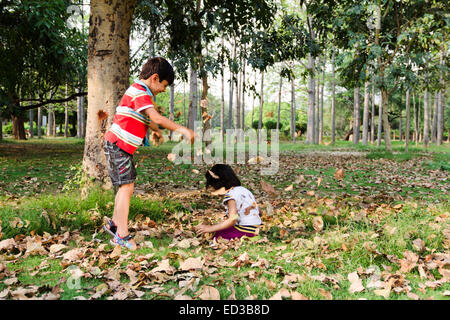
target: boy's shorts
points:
(121, 167)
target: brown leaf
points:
(409, 262)
(419, 245)
(356, 283)
(164, 266)
(209, 293)
(171, 157)
(191, 264)
(7, 244)
(339, 174)
(267, 187)
(317, 223)
(283, 293)
(298, 296)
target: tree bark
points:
(18, 129)
(380, 121)
(108, 77)
(356, 113)
(293, 120)
(39, 123)
(426, 122)
(317, 105)
(408, 118)
(192, 110)
(31, 123)
(333, 100)
(440, 115)
(66, 117)
(365, 114)
(279, 102)
(322, 86)
(386, 126)
(372, 117)
(311, 101)
(261, 103)
(434, 122)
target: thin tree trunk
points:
(31, 123)
(440, 115)
(434, 122)
(408, 119)
(386, 126)
(172, 107)
(365, 113)
(356, 112)
(416, 129)
(372, 116)
(243, 95)
(1, 125)
(380, 121)
(66, 116)
(311, 101)
(293, 120)
(184, 105)
(426, 122)
(39, 123)
(192, 110)
(261, 103)
(333, 100)
(50, 121)
(279, 102)
(322, 86)
(222, 105)
(317, 103)
(400, 126)
(108, 77)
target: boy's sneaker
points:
(109, 226)
(123, 242)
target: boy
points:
(134, 115)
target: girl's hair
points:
(161, 67)
(221, 175)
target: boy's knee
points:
(129, 187)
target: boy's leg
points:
(122, 209)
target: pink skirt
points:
(232, 233)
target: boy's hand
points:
(188, 135)
(157, 137)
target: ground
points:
(340, 222)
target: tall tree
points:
(108, 75)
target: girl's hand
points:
(202, 228)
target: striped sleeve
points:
(228, 196)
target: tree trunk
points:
(238, 102)
(372, 116)
(261, 103)
(408, 118)
(18, 129)
(311, 101)
(426, 121)
(333, 100)
(380, 121)
(356, 112)
(1, 125)
(440, 115)
(434, 122)
(317, 103)
(400, 125)
(279, 103)
(172, 107)
(31, 123)
(66, 117)
(322, 86)
(243, 96)
(107, 75)
(50, 121)
(39, 123)
(293, 120)
(365, 114)
(192, 110)
(386, 126)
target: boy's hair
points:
(161, 67)
(221, 175)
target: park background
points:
(358, 209)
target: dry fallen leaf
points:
(409, 262)
(267, 187)
(209, 293)
(339, 174)
(191, 264)
(283, 293)
(290, 188)
(317, 223)
(356, 283)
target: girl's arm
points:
(231, 221)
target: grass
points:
(385, 200)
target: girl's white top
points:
(244, 199)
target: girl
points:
(242, 211)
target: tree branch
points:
(43, 103)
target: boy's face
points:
(155, 85)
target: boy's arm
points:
(169, 124)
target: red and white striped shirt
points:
(129, 124)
